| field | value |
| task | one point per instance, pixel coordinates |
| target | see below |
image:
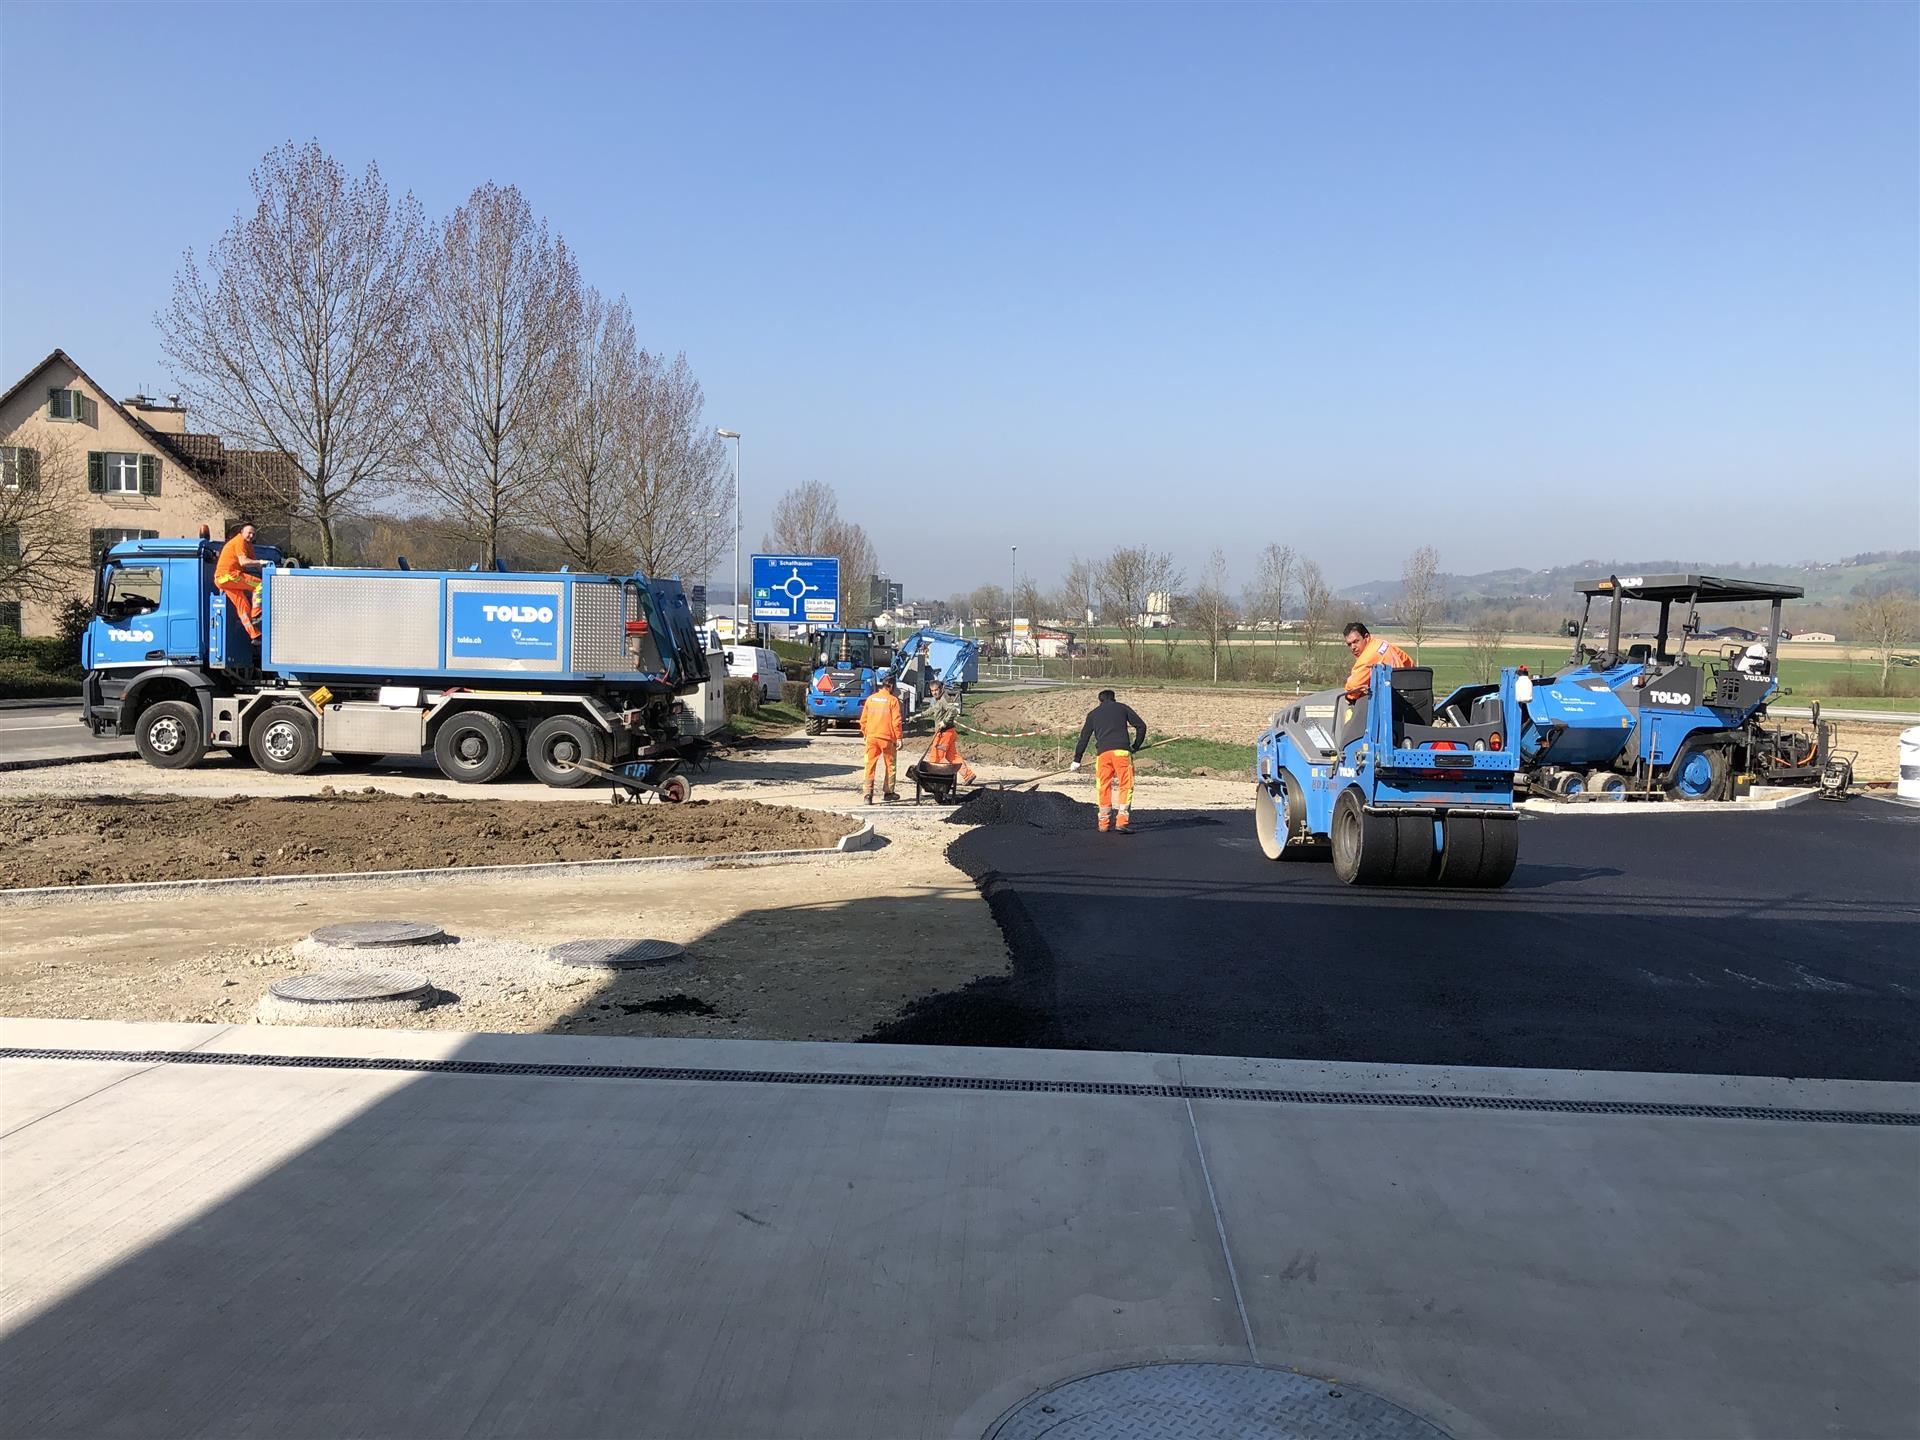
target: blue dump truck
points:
(478, 669)
(848, 666)
(1661, 716)
(1384, 792)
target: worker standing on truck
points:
(1368, 651)
(236, 574)
(880, 728)
(1116, 732)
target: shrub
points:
(742, 697)
(794, 694)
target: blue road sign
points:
(796, 589)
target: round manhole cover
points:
(617, 954)
(351, 987)
(378, 934)
(1209, 1402)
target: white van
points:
(751, 662)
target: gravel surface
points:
(138, 838)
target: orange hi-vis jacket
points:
(880, 719)
(227, 570)
(1375, 652)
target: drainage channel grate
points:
(968, 1082)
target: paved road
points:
(51, 731)
(1769, 944)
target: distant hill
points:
(1825, 581)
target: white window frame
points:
(10, 466)
(116, 465)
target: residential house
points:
(120, 470)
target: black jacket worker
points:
(1115, 732)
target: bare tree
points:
(501, 300)
(1213, 610)
(43, 540)
(1485, 638)
(1124, 581)
(1266, 596)
(298, 333)
(1029, 602)
(1316, 615)
(591, 500)
(1420, 595)
(684, 491)
(1886, 621)
(1078, 592)
(807, 521)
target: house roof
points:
(242, 478)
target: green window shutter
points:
(149, 474)
(57, 404)
(93, 411)
(97, 546)
(96, 471)
(10, 545)
(29, 471)
(149, 534)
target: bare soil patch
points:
(141, 838)
(1236, 719)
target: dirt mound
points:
(1205, 714)
(140, 838)
(1040, 809)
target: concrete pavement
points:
(51, 730)
(905, 1242)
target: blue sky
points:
(1530, 283)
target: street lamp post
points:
(1013, 603)
(734, 435)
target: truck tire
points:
(283, 740)
(1479, 852)
(475, 747)
(1364, 846)
(816, 726)
(556, 742)
(1701, 775)
(1606, 785)
(170, 735)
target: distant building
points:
(124, 470)
(1814, 637)
(885, 594)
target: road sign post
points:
(801, 590)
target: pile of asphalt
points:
(1037, 809)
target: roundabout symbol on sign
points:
(795, 588)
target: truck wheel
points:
(1479, 851)
(1606, 785)
(475, 747)
(816, 726)
(1364, 846)
(1700, 775)
(170, 735)
(284, 740)
(558, 741)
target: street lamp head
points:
(728, 434)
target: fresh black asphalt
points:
(1779, 943)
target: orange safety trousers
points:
(1113, 771)
(245, 602)
(945, 750)
(879, 752)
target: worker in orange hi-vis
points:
(945, 750)
(236, 574)
(1368, 651)
(880, 728)
(1115, 731)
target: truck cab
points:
(157, 620)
